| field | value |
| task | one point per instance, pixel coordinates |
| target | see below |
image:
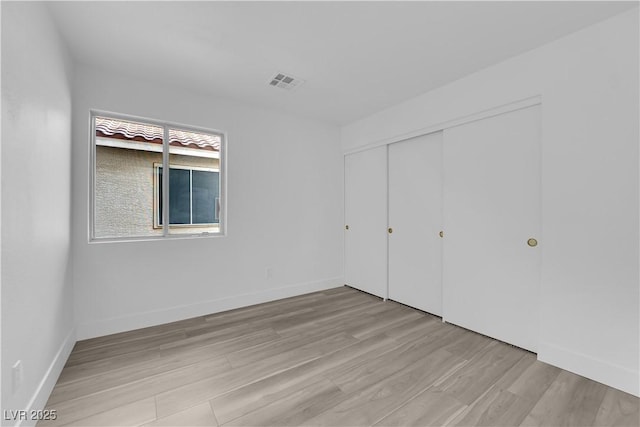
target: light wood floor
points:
(338, 357)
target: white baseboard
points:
(620, 377)
(42, 393)
(181, 312)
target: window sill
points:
(155, 238)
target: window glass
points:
(125, 152)
(205, 192)
(194, 196)
(194, 159)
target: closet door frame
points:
(490, 112)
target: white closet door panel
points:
(366, 217)
(415, 215)
(491, 208)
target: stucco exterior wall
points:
(124, 193)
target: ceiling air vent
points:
(285, 81)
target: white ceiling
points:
(356, 57)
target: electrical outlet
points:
(17, 374)
(269, 272)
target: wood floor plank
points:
(468, 344)
(315, 300)
(141, 333)
(115, 349)
(571, 400)
(370, 405)
(415, 328)
(111, 379)
(618, 409)
(294, 326)
(429, 408)
(209, 388)
(429, 328)
(535, 381)
(510, 399)
(361, 373)
(340, 290)
(253, 396)
(197, 416)
(499, 408)
(482, 371)
(132, 414)
(294, 409)
(248, 323)
(333, 357)
(221, 344)
(85, 370)
(368, 373)
(82, 407)
(396, 315)
(180, 398)
(275, 347)
(485, 408)
(349, 319)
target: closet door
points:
(415, 216)
(491, 211)
(365, 193)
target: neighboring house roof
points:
(130, 131)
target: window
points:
(194, 196)
(129, 186)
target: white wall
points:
(590, 132)
(284, 212)
(37, 294)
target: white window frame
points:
(165, 176)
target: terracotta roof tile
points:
(121, 129)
